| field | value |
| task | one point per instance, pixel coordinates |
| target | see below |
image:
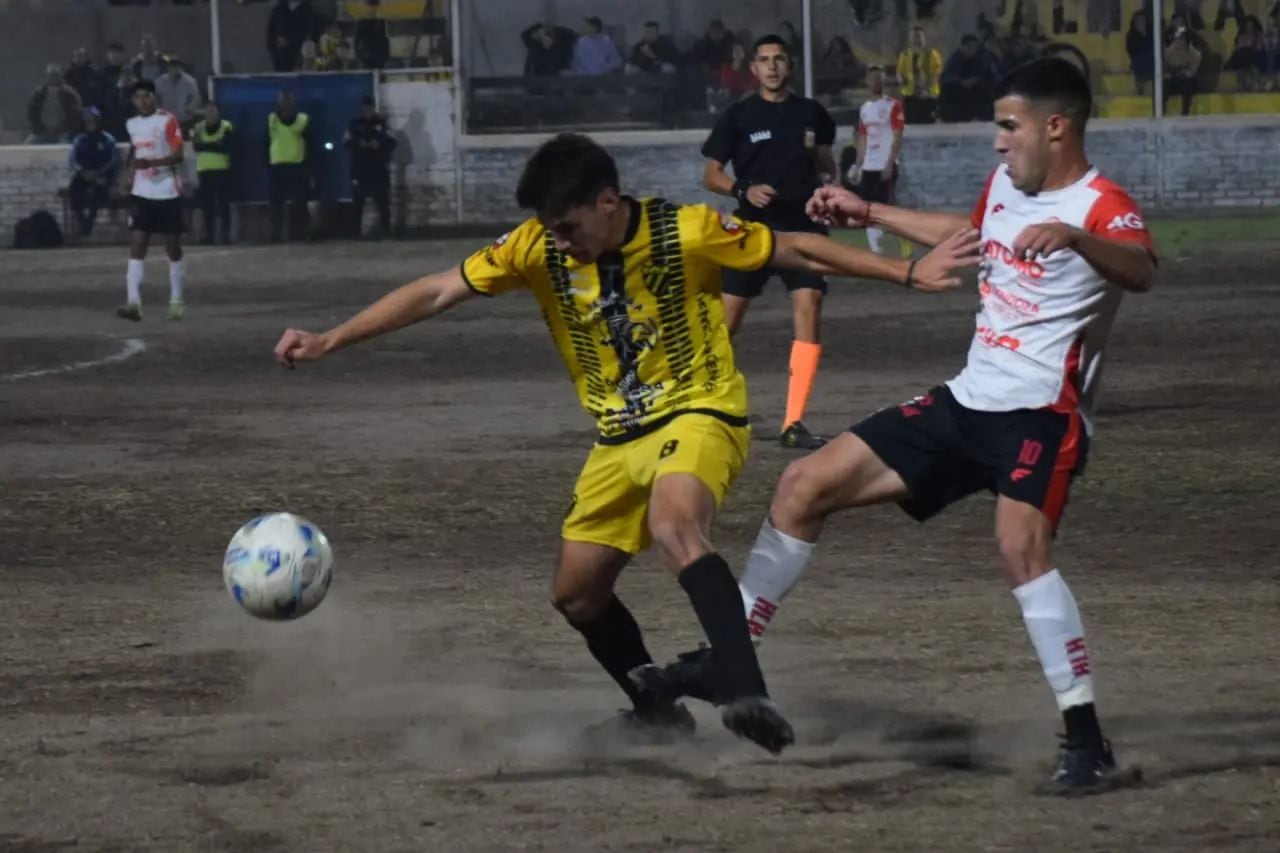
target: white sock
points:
(874, 236)
(1053, 621)
(177, 271)
(774, 566)
(133, 281)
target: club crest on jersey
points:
(761, 136)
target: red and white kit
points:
(878, 120)
(1044, 321)
(155, 137)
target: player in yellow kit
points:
(630, 291)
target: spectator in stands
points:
(1181, 65)
(307, 57)
(654, 53)
(1189, 10)
(54, 111)
(291, 23)
(119, 107)
(84, 78)
(1142, 52)
(795, 48)
(148, 64)
(94, 162)
(837, 68)
(373, 42)
(346, 60)
(967, 83)
(110, 71)
(549, 49)
(920, 73)
(178, 93)
(1102, 16)
(1230, 9)
(736, 77)
(1018, 50)
(327, 47)
(1248, 59)
(991, 51)
(1271, 53)
(1179, 21)
(714, 50)
(594, 52)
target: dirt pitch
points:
(434, 702)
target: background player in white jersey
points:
(878, 150)
(155, 201)
(1062, 245)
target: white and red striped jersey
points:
(1043, 323)
(154, 137)
(878, 120)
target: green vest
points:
(212, 161)
(288, 145)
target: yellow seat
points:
(391, 10)
(1125, 106)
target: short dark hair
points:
(771, 38)
(968, 38)
(653, 24)
(1052, 81)
(570, 170)
(116, 46)
(144, 86)
(595, 22)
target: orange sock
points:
(804, 367)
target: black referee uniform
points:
(774, 143)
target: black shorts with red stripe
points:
(944, 451)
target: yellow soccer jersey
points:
(641, 330)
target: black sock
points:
(714, 593)
(614, 639)
(1082, 724)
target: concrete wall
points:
(443, 180)
(1180, 164)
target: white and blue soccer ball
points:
(278, 566)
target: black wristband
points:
(911, 271)
(740, 188)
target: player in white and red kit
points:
(878, 139)
(155, 201)
(1062, 245)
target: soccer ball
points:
(278, 566)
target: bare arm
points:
(821, 255)
(715, 179)
(826, 164)
(1125, 264)
(934, 272)
(895, 150)
(918, 226)
(414, 302)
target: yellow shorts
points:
(611, 499)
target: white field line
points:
(132, 347)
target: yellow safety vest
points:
(288, 146)
(929, 62)
(212, 161)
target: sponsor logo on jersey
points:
(1002, 253)
(1127, 222)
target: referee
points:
(780, 146)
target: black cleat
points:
(797, 437)
(688, 675)
(1086, 768)
(757, 719)
(659, 726)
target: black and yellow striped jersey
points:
(641, 330)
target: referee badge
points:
(810, 137)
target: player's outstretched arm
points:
(404, 306)
(936, 271)
(837, 206)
